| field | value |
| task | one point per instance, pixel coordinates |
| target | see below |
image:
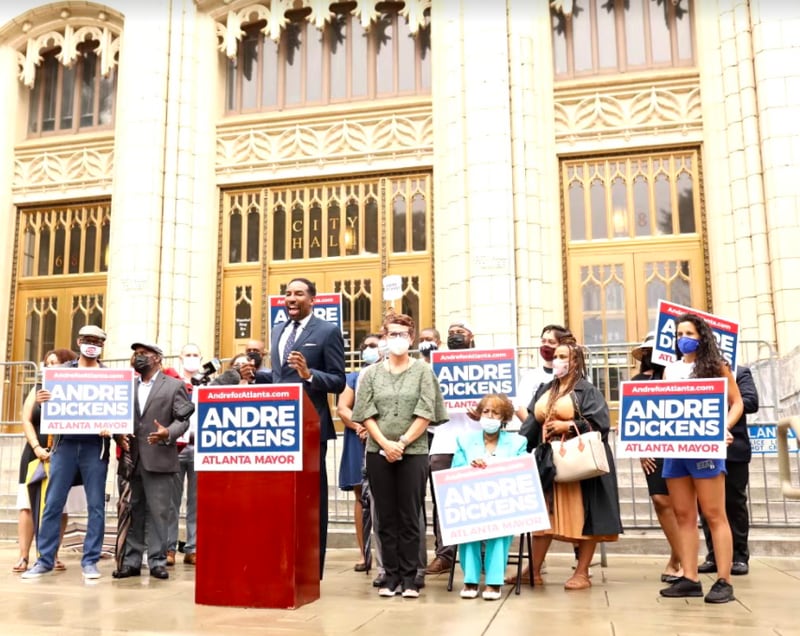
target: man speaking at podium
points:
(310, 351)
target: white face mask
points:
(370, 355)
(191, 364)
(91, 351)
(490, 425)
(560, 368)
(398, 346)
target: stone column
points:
(163, 238)
(742, 283)
(537, 203)
(474, 206)
(10, 87)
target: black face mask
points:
(457, 341)
(255, 356)
(142, 364)
(646, 362)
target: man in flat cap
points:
(161, 412)
(75, 455)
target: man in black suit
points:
(161, 409)
(736, 481)
(309, 350)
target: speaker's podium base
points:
(258, 532)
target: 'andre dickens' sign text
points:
(249, 428)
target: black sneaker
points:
(683, 587)
(379, 581)
(419, 581)
(707, 567)
(721, 592)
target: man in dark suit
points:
(309, 350)
(161, 405)
(736, 480)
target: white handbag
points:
(581, 457)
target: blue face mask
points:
(370, 355)
(687, 345)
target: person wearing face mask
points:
(429, 341)
(530, 380)
(396, 400)
(355, 437)
(480, 449)
(583, 512)
(191, 360)
(652, 467)
(160, 405)
(694, 481)
(75, 455)
(443, 447)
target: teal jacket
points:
(470, 446)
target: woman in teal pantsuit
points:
(479, 450)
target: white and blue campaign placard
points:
(466, 375)
(327, 307)
(503, 499)
(725, 331)
(764, 439)
(87, 401)
(685, 418)
(249, 427)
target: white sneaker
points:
(410, 592)
(90, 571)
(37, 571)
(387, 591)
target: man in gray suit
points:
(161, 409)
(310, 351)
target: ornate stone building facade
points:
(166, 166)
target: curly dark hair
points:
(708, 362)
(497, 400)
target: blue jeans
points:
(70, 457)
(186, 472)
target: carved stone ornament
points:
(31, 34)
(239, 13)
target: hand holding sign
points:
(161, 434)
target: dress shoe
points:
(159, 572)
(438, 566)
(125, 571)
(170, 557)
(190, 558)
(379, 581)
(707, 567)
(739, 568)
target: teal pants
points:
(469, 554)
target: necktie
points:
(287, 348)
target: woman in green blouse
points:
(396, 400)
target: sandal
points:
(578, 582)
(59, 566)
(21, 565)
(360, 567)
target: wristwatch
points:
(404, 440)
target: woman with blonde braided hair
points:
(582, 512)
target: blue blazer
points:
(323, 348)
(470, 446)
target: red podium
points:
(258, 532)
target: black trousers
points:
(440, 461)
(398, 489)
(736, 481)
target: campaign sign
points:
(764, 439)
(249, 427)
(87, 401)
(466, 375)
(726, 332)
(686, 418)
(503, 499)
(327, 307)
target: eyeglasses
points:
(397, 334)
(371, 345)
